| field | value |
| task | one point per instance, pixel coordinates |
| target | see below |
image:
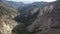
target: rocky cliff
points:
(41, 20)
(47, 20)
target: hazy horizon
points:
(30, 1)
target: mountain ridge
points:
(47, 20)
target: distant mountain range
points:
(21, 4)
(30, 7)
(25, 8)
(15, 4)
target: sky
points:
(30, 1)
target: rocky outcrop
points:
(6, 25)
(6, 18)
(43, 20)
(47, 20)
